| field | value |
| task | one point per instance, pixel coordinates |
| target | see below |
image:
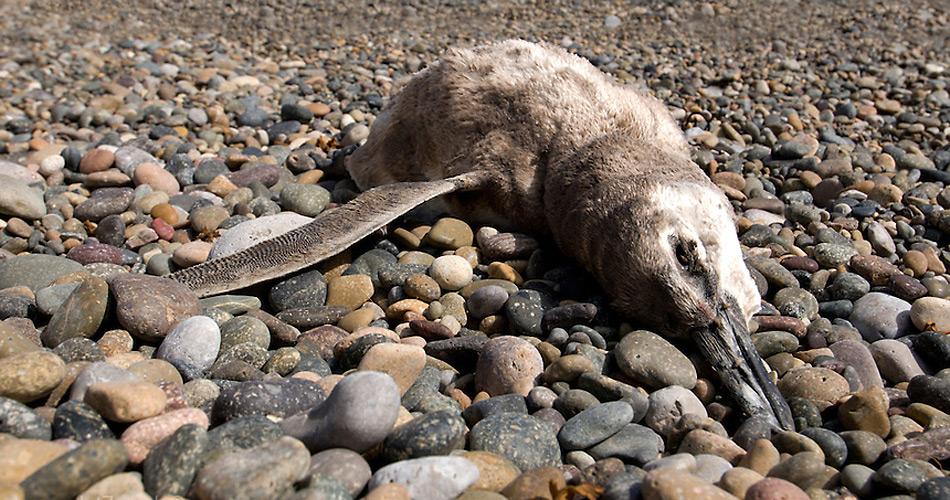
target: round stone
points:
(772, 488)
(149, 307)
(523, 439)
(78, 421)
(931, 313)
(349, 291)
(670, 483)
(649, 359)
(347, 467)
(192, 346)
(402, 362)
(508, 365)
(821, 386)
(436, 433)
(30, 375)
(305, 199)
(451, 272)
(667, 405)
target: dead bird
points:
(530, 137)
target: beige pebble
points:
(349, 291)
(126, 401)
(404, 363)
(142, 436)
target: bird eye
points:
(685, 251)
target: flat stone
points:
(436, 478)
(649, 359)
(523, 439)
(632, 443)
(305, 199)
(278, 398)
(35, 271)
(105, 202)
(18, 199)
(265, 471)
(149, 307)
(74, 472)
(358, 415)
(856, 354)
(594, 425)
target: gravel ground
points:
(134, 142)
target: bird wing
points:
(328, 234)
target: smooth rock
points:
(149, 307)
(74, 472)
(508, 365)
(265, 471)
(358, 415)
(435, 478)
(649, 359)
(881, 316)
(191, 346)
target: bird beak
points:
(726, 345)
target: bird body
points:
(529, 137)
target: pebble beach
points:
(441, 359)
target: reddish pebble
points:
(142, 436)
(163, 229)
(772, 488)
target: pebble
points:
(125, 485)
(857, 355)
(436, 433)
(149, 307)
(18, 199)
(125, 402)
(668, 484)
(345, 466)
(649, 359)
(633, 443)
(80, 315)
(191, 346)
(142, 436)
(277, 398)
(931, 313)
(772, 488)
(358, 415)
(866, 411)
(31, 375)
(74, 472)
(451, 272)
(404, 363)
(821, 386)
(434, 478)
(264, 471)
(524, 440)
(305, 199)
(349, 292)
(880, 316)
(494, 471)
(18, 420)
(667, 405)
(895, 361)
(508, 365)
(594, 425)
(450, 233)
(171, 466)
(863, 447)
